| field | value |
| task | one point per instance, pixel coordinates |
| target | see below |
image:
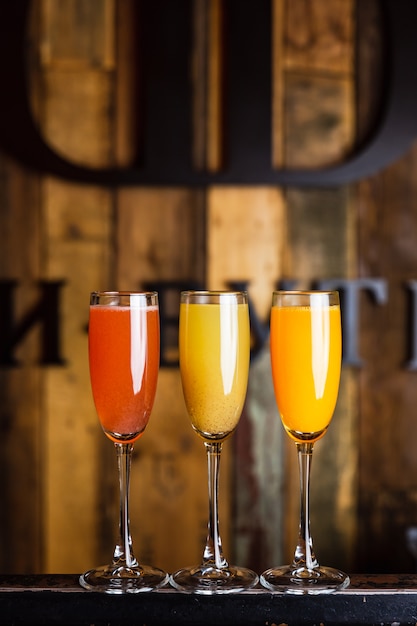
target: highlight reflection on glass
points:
(320, 346)
(228, 346)
(214, 339)
(139, 344)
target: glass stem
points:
(123, 552)
(213, 554)
(304, 553)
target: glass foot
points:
(119, 579)
(300, 580)
(211, 580)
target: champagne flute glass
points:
(214, 338)
(124, 361)
(306, 349)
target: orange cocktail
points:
(306, 355)
(124, 361)
(306, 360)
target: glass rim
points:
(313, 297)
(214, 292)
(123, 293)
(201, 296)
(132, 299)
(304, 292)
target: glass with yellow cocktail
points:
(214, 342)
(306, 352)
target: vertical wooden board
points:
(72, 83)
(258, 477)
(318, 129)
(161, 238)
(77, 33)
(388, 488)
(320, 35)
(245, 240)
(319, 241)
(79, 102)
(21, 411)
(246, 232)
(73, 90)
(169, 501)
(387, 390)
(77, 249)
(319, 120)
(320, 247)
(316, 72)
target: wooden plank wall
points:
(21, 387)
(387, 244)
(74, 92)
(59, 485)
(318, 127)
(169, 503)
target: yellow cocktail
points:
(214, 338)
(214, 357)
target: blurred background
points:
(63, 236)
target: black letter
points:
(45, 312)
(349, 292)
(412, 362)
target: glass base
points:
(118, 579)
(300, 580)
(211, 580)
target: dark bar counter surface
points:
(58, 599)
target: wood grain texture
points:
(76, 58)
(73, 93)
(21, 413)
(319, 35)
(59, 485)
(161, 235)
(313, 82)
(387, 236)
(319, 246)
(77, 246)
(77, 33)
(319, 120)
(318, 128)
(161, 238)
(246, 239)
